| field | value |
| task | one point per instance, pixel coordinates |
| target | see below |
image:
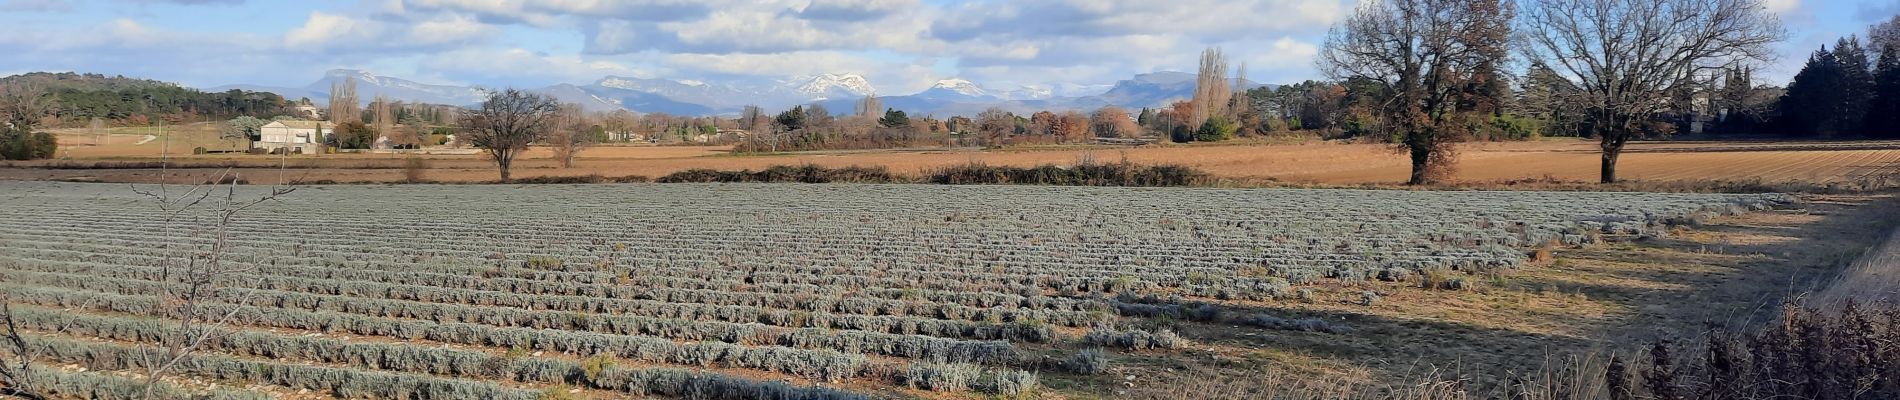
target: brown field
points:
(1297, 163)
(1582, 301)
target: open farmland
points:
(762, 291)
(1812, 162)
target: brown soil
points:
(1303, 163)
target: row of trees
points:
(79, 98)
(1621, 66)
(1851, 90)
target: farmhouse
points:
(301, 137)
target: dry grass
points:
(1550, 163)
(1874, 278)
(1538, 331)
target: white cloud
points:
(36, 5)
(336, 32)
(321, 30)
(517, 64)
(899, 44)
(1781, 6)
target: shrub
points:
(544, 262)
(808, 173)
(1844, 353)
(1216, 129)
(1084, 174)
(1088, 361)
(1010, 384)
(1368, 298)
(592, 366)
(942, 377)
(414, 169)
(559, 180)
(1302, 324)
(1133, 339)
(16, 145)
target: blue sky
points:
(901, 45)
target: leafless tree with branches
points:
(16, 369)
(1431, 55)
(1211, 93)
(1630, 58)
(211, 209)
(507, 123)
(343, 101)
(571, 133)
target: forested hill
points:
(78, 98)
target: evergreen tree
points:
(1884, 111)
(1812, 105)
(1857, 85)
(894, 118)
(792, 120)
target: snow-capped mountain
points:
(1029, 92)
(830, 86)
(369, 86)
(720, 96)
(684, 96)
(602, 98)
(956, 88)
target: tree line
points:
(1616, 70)
(79, 98)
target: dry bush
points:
(808, 173)
(1084, 174)
(415, 169)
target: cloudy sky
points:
(901, 45)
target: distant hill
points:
(951, 96)
(369, 86)
(82, 82)
(82, 97)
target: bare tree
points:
(1211, 92)
(619, 124)
(1073, 127)
(16, 370)
(570, 134)
(97, 127)
(1885, 36)
(1430, 54)
(870, 106)
(343, 101)
(385, 120)
(996, 125)
(1112, 121)
(1629, 58)
(201, 269)
(1238, 103)
(506, 123)
(753, 119)
(22, 106)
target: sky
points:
(901, 46)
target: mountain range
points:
(837, 92)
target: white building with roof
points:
(298, 137)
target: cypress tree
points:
(1884, 112)
(1857, 86)
(1811, 107)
